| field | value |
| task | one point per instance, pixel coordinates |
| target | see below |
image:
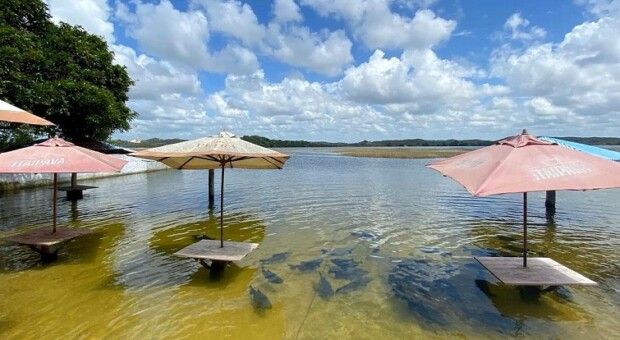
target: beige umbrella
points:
(13, 114)
(222, 151)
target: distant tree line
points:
(147, 143)
(593, 140)
(277, 143)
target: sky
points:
(352, 70)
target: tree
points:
(62, 73)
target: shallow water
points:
(363, 247)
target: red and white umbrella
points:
(524, 163)
(14, 114)
(56, 155)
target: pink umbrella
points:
(56, 155)
(525, 163)
(13, 114)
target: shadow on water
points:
(219, 278)
(440, 292)
(6, 325)
(523, 302)
(573, 249)
(80, 250)
(143, 256)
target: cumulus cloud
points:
(582, 71)
(233, 18)
(286, 11)
(153, 78)
(602, 8)
(351, 11)
(377, 26)
(409, 90)
(577, 80)
(384, 29)
(326, 52)
(520, 30)
(418, 77)
(165, 32)
(92, 15)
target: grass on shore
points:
(411, 153)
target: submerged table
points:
(45, 242)
(75, 192)
(540, 271)
(210, 250)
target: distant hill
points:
(277, 143)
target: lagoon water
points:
(364, 248)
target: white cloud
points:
(520, 30)
(286, 10)
(352, 11)
(419, 78)
(577, 81)
(92, 15)
(155, 78)
(542, 106)
(293, 108)
(582, 72)
(384, 29)
(408, 91)
(165, 32)
(602, 8)
(172, 116)
(326, 53)
(233, 18)
(233, 59)
(377, 26)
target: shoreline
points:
(403, 153)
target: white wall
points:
(134, 165)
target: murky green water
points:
(365, 248)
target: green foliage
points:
(62, 73)
(147, 143)
(593, 140)
(275, 143)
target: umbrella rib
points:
(185, 163)
(276, 162)
(491, 175)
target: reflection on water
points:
(350, 247)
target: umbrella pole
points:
(222, 209)
(55, 199)
(525, 229)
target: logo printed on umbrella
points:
(37, 162)
(554, 168)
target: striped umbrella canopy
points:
(594, 150)
(224, 150)
(13, 114)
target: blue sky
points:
(345, 70)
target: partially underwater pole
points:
(211, 188)
(550, 201)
